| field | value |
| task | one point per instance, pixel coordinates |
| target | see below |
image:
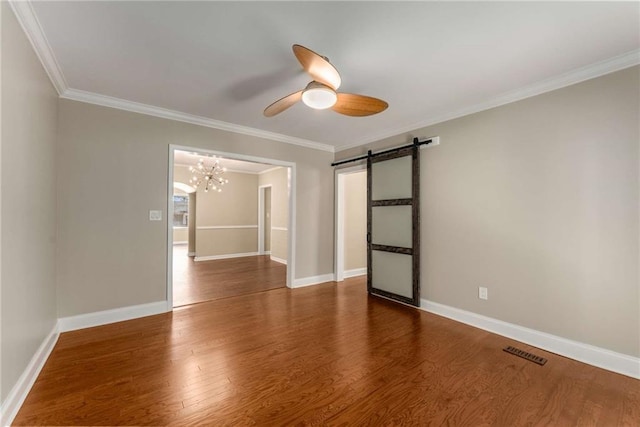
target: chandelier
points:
(211, 176)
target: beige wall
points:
(180, 234)
(113, 256)
(236, 205)
(182, 175)
(278, 179)
(227, 241)
(538, 201)
(355, 220)
(28, 175)
(279, 243)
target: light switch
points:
(155, 215)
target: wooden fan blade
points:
(351, 104)
(282, 104)
(318, 67)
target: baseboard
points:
(99, 318)
(313, 280)
(180, 243)
(280, 260)
(20, 390)
(586, 353)
(355, 272)
(225, 256)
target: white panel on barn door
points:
(392, 273)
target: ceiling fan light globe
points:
(319, 98)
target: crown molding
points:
(29, 22)
(228, 169)
(31, 26)
(241, 171)
(150, 110)
(578, 75)
(269, 170)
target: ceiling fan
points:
(321, 92)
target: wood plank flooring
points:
(195, 282)
(321, 355)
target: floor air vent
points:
(526, 355)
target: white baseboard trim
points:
(280, 260)
(355, 272)
(225, 256)
(313, 280)
(99, 318)
(180, 243)
(191, 254)
(20, 390)
(586, 353)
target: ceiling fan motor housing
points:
(319, 96)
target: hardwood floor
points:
(195, 282)
(321, 355)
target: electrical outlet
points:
(483, 293)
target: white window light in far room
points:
(209, 176)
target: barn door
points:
(393, 225)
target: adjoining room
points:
(229, 227)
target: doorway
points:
(234, 230)
(264, 219)
(351, 222)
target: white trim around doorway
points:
(291, 167)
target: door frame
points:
(291, 250)
(261, 201)
(340, 175)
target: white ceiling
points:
(188, 158)
(221, 63)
